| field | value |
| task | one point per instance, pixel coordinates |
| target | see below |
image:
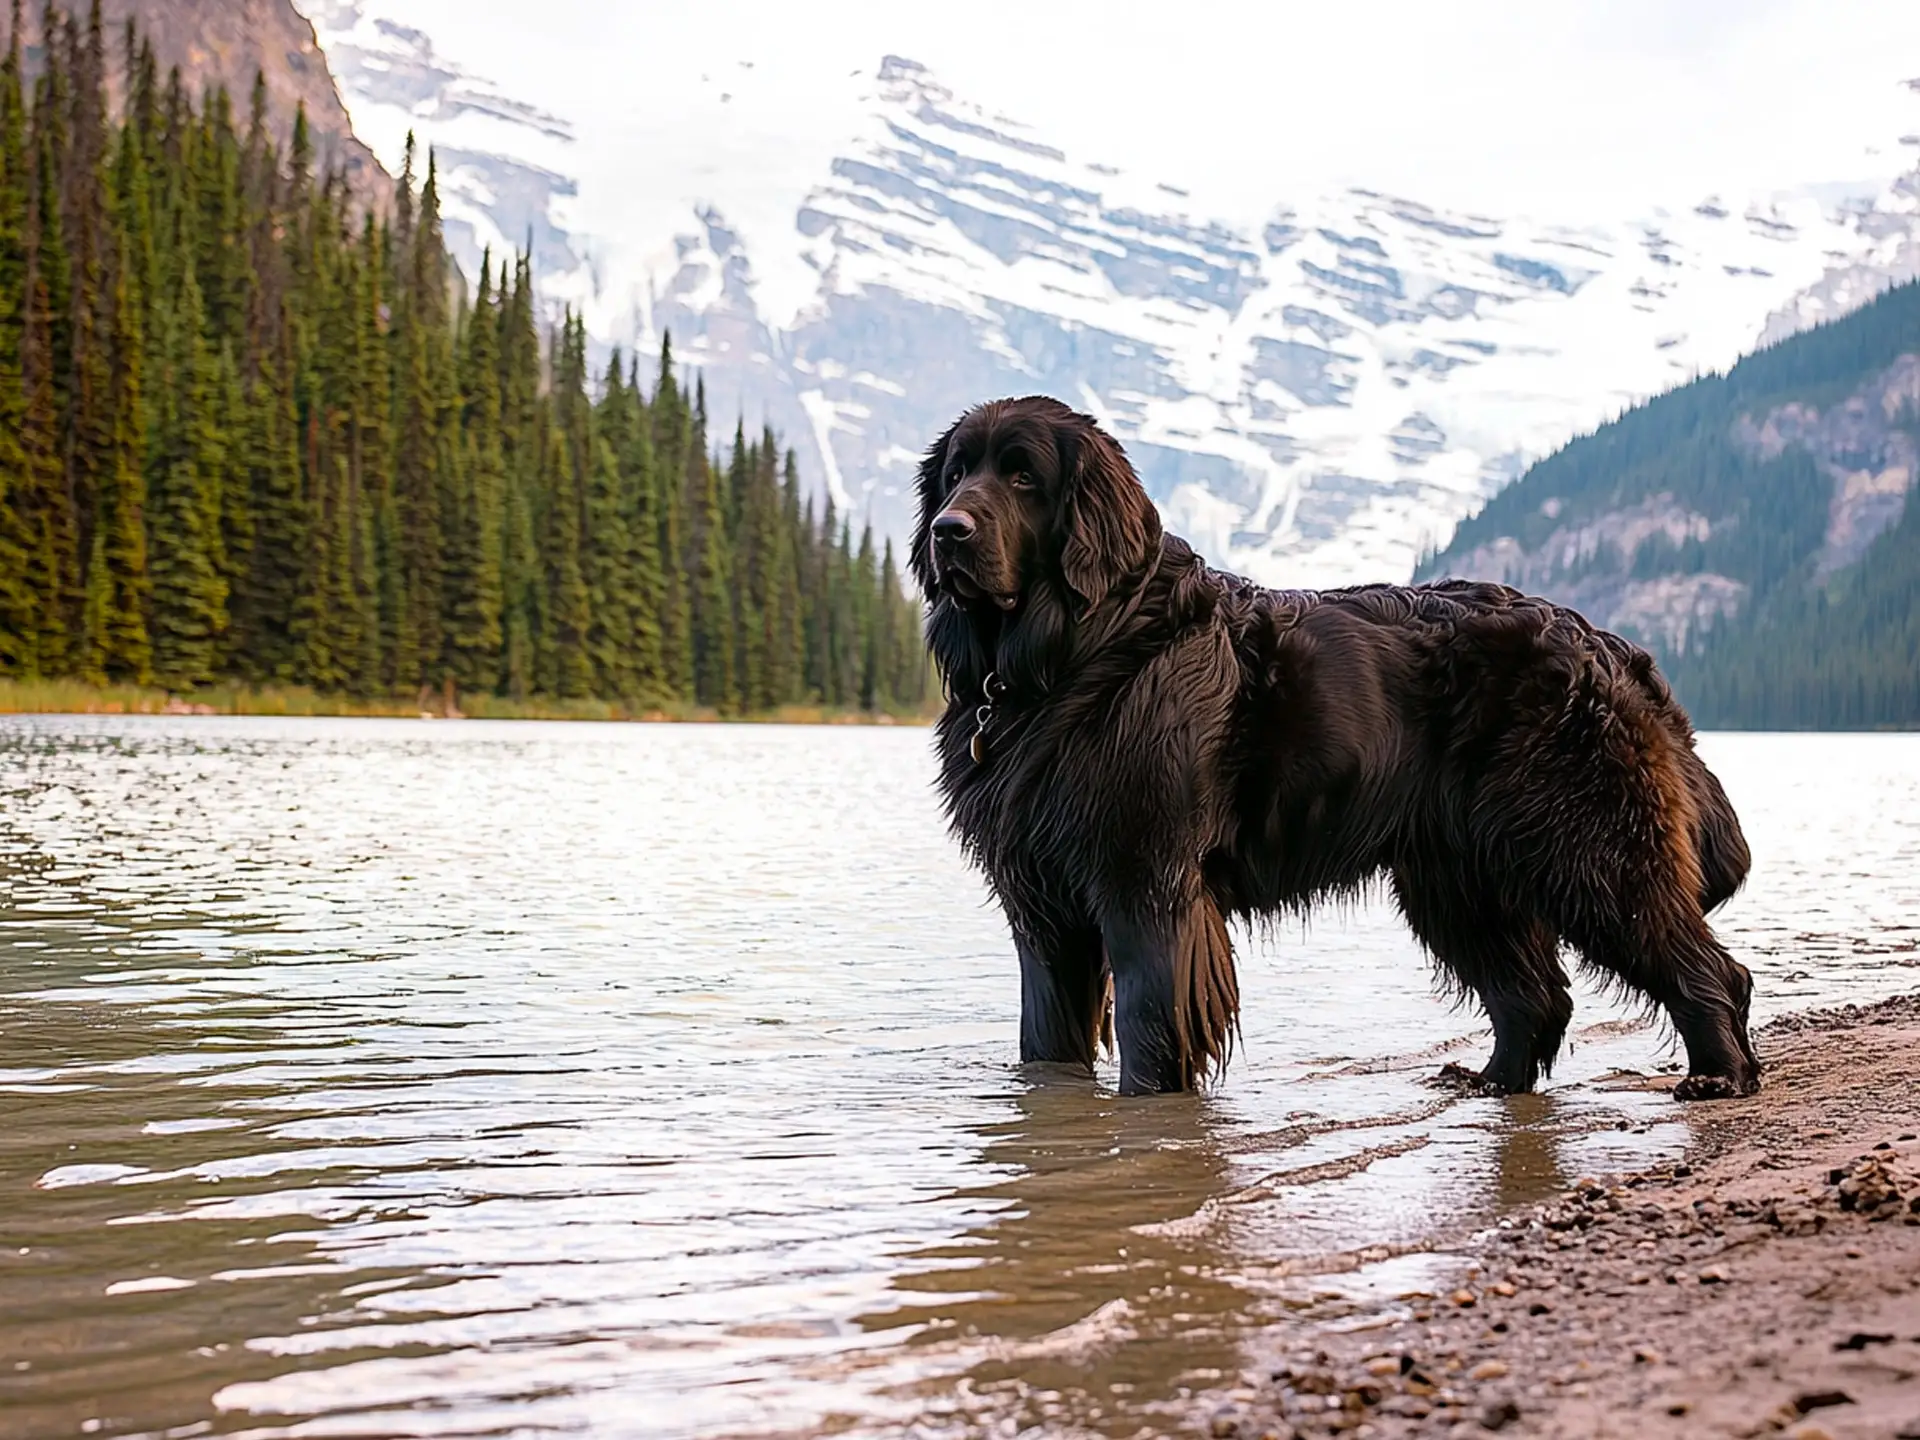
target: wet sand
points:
(1768, 1285)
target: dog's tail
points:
(1206, 995)
(1722, 848)
(1717, 839)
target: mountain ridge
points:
(1315, 396)
(1753, 528)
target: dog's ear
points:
(1112, 527)
(932, 485)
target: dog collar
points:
(993, 687)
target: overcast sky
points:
(1544, 106)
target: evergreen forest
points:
(1807, 650)
(256, 429)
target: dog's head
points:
(1023, 498)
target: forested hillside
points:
(1754, 528)
(252, 431)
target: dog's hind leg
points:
(1663, 948)
(1176, 998)
(1063, 996)
(1511, 961)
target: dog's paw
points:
(1714, 1087)
(1467, 1082)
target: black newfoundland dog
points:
(1137, 748)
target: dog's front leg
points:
(1176, 1000)
(1063, 995)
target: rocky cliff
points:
(228, 42)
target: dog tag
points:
(979, 747)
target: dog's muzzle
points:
(951, 530)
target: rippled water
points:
(376, 1078)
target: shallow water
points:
(377, 1078)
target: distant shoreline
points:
(74, 697)
(78, 697)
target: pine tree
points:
(711, 585)
(418, 482)
(672, 427)
(185, 468)
(116, 638)
(568, 610)
(87, 438)
(640, 481)
(610, 578)
(20, 604)
(282, 523)
(522, 456)
(786, 640)
(474, 586)
(44, 500)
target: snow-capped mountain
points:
(1313, 398)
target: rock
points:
(1503, 1288)
(1499, 1415)
(1489, 1370)
(1807, 1401)
(1807, 1430)
(1645, 1356)
(1383, 1365)
(1861, 1339)
(1225, 1423)
(1464, 1298)
(1715, 1275)
(1539, 1307)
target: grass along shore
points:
(77, 697)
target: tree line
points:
(256, 429)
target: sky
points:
(1554, 109)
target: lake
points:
(398, 1078)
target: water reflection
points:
(115, 1316)
(1528, 1148)
(1082, 1291)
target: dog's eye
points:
(1022, 480)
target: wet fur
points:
(1177, 747)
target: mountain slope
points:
(1753, 528)
(1314, 396)
(225, 43)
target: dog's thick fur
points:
(1166, 747)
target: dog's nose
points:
(952, 527)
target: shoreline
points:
(75, 697)
(1767, 1284)
(80, 697)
